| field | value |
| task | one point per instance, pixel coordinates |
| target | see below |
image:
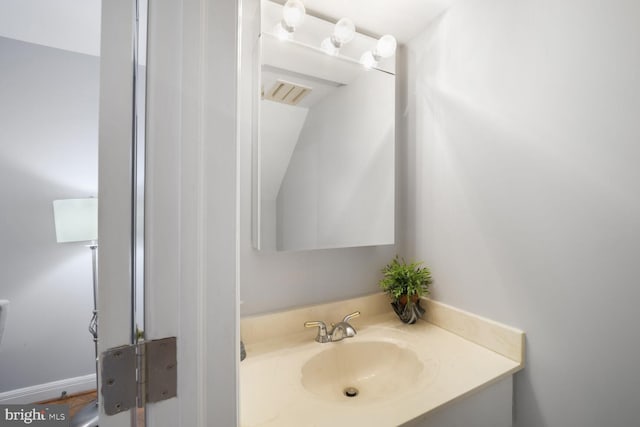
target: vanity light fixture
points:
(293, 13)
(343, 33)
(367, 60)
(385, 48)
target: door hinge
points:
(136, 374)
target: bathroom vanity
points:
(453, 368)
(323, 177)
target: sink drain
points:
(351, 392)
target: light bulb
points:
(386, 47)
(280, 32)
(329, 48)
(367, 60)
(293, 14)
(343, 32)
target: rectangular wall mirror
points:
(324, 141)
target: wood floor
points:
(79, 400)
(75, 401)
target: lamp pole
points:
(88, 415)
(93, 324)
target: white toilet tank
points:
(4, 306)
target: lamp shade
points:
(76, 220)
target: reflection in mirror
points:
(140, 87)
(325, 148)
(138, 418)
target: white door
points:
(191, 263)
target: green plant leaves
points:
(401, 278)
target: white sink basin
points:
(401, 372)
(361, 371)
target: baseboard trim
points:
(40, 392)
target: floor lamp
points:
(76, 220)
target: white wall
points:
(276, 280)
(524, 191)
(280, 126)
(48, 151)
(338, 190)
(268, 225)
(64, 24)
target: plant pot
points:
(403, 299)
(408, 309)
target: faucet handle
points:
(348, 317)
(322, 336)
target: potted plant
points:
(405, 284)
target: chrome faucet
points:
(339, 332)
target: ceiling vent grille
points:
(287, 92)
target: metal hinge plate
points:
(133, 375)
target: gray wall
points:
(276, 280)
(48, 151)
(524, 191)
